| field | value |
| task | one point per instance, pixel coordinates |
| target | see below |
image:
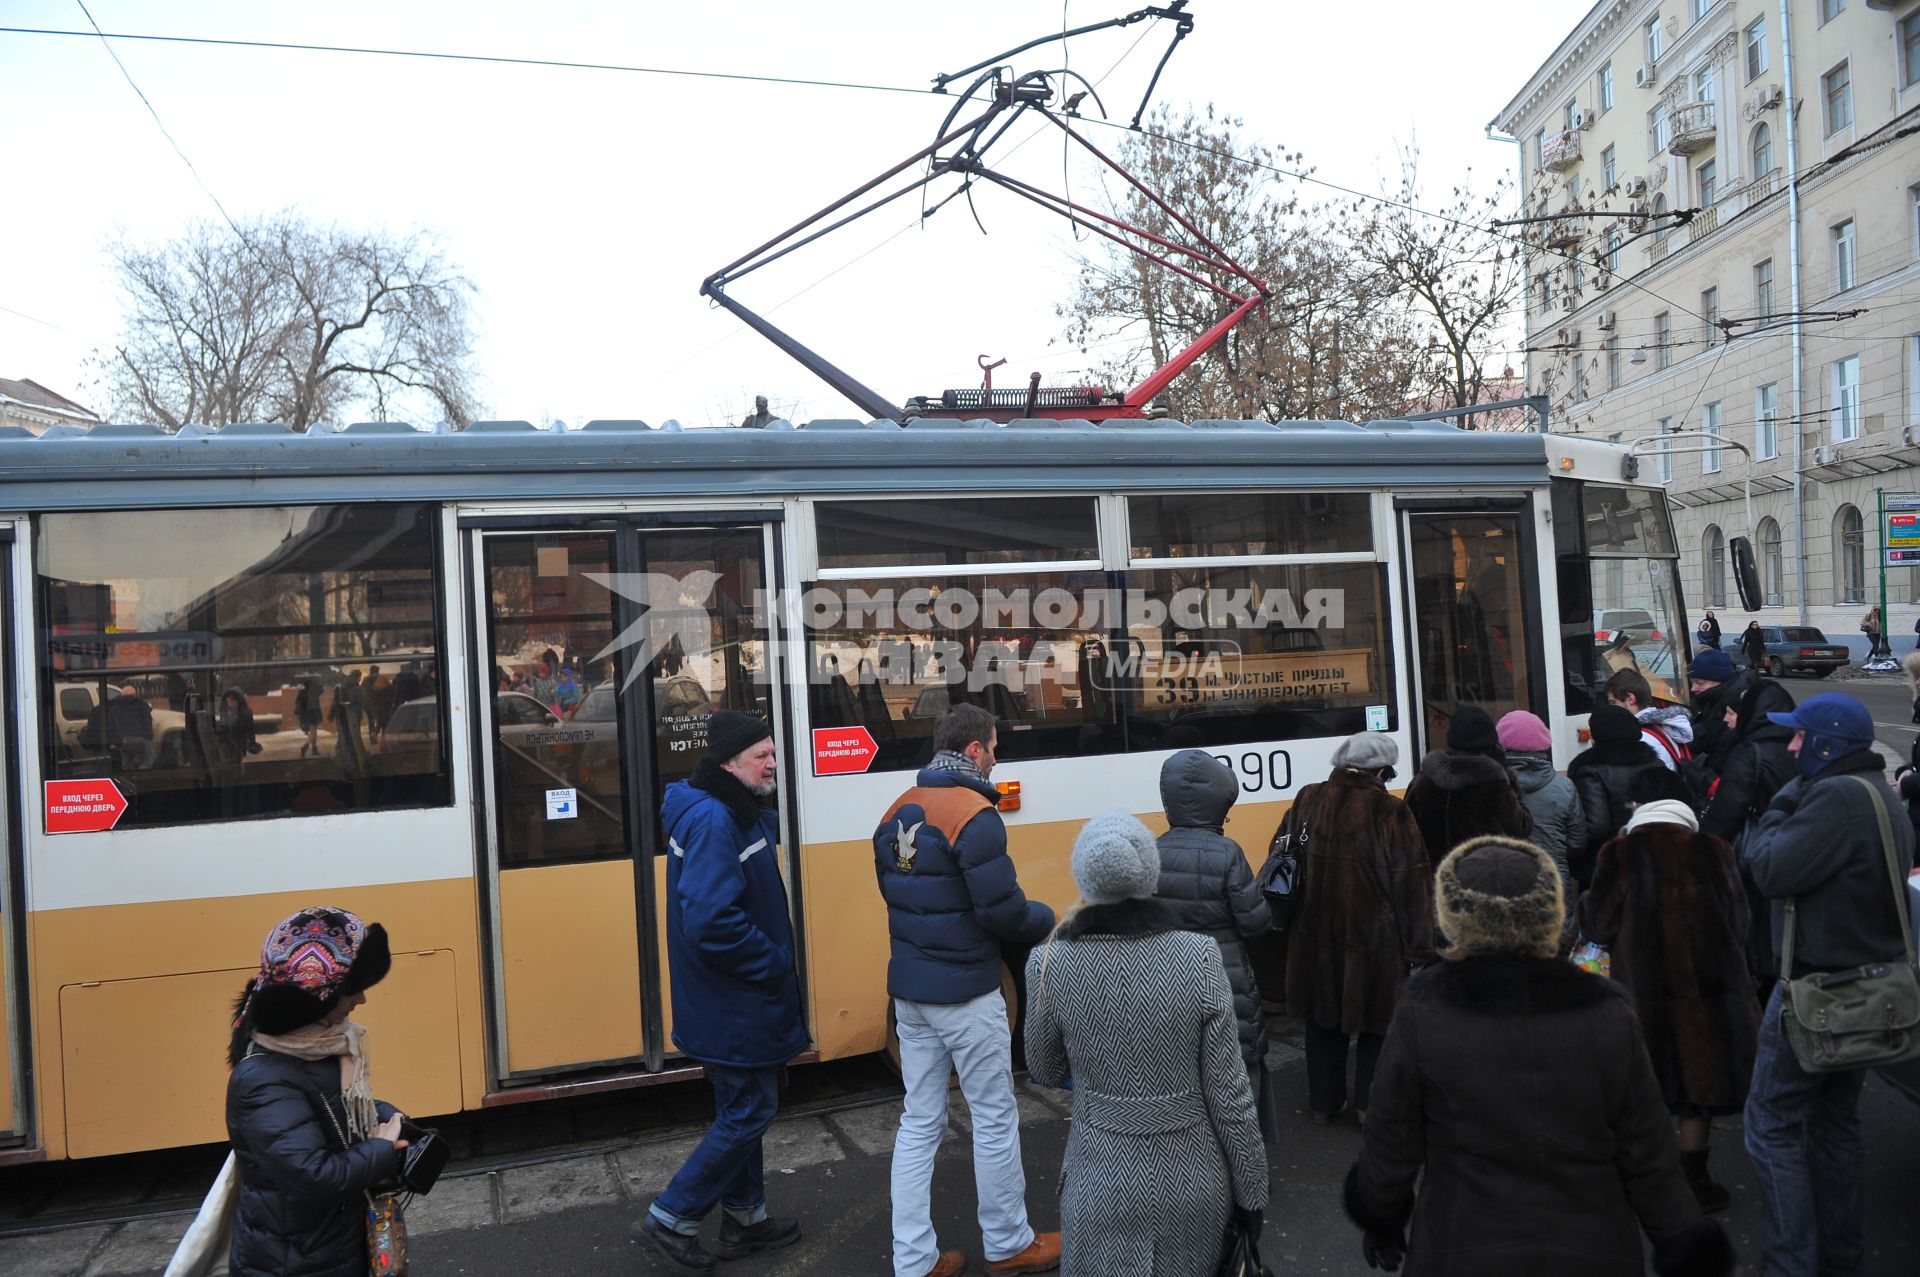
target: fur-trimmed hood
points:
(1122, 919)
(1452, 770)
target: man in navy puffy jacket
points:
(953, 900)
(736, 994)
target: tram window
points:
(243, 663)
(955, 531)
(1081, 664)
(1199, 525)
(1626, 520)
(1224, 654)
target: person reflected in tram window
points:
(309, 1138)
(566, 692)
(233, 734)
(1467, 789)
(735, 989)
(379, 702)
(546, 677)
(128, 730)
(349, 708)
(406, 684)
(306, 713)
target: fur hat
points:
(308, 964)
(1471, 731)
(1367, 752)
(731, 733)
(1500, 895)
(1524, 733)
(1114, 859)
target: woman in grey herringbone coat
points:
(1165, 1145)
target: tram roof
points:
(139, 466)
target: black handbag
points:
(1240, 1254)
(1279, 876)
(425, 1156)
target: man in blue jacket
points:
(1819, 845)
(736, 995)
(952, 901)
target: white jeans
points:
(972, 1039)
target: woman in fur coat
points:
(1667, 902)
(1516, 1123)
(1138, 1013)
(1365, 916)
(1467, 789)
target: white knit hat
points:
(1115, 858)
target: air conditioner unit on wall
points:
(1583, 119)
(1636, 186)
(1646, 77)
(1825, 455)
(1763, 98)
(1604, 320)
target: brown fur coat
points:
(1459, 796)
(1667, 902)
(1366, 903)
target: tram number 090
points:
(1257, 772)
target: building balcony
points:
(1690, 128)
(1561, 151)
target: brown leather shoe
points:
(1043, 1256)
(950, 1264)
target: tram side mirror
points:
(1746, 574)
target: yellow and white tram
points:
(443, 679)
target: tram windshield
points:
(1620, 604)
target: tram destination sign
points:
(83, 806)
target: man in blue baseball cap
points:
(1819, 844)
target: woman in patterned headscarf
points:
(308, 1136)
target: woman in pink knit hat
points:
(1559, 824)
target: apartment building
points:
(1755, 275)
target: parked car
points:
(523, 723)
(1614, 625)
(1801, 649)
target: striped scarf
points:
(948, 761)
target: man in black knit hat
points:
(736, 994)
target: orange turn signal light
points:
(1586, 735)
(1009, 794)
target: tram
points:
(443, 679)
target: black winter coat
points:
(1520, 1087)
(1712, 739)
(1460, 796)
(1756, 769)
(1603, 775)
(1206, 883)
(303, 1209)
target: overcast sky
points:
(586, 206)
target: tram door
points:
(13, 1109)
(1473, 613)
(605, 648)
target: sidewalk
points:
(830, 1169)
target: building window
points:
(1710, 315)
(1603, 90)
(255, 681)
(1608, 176)
(1842, 236)
(1830, 9)
(1659, 219)
(1772, 571)
(1614, 241)
(1709, 173)
(1654, 37)
(1913, 380)
(1665, 457)
(1662, 340)
(1757, 49)
(1613, 363)
(1846, 399)
(1850, 530)
(1913, 198)
(1700, 8)
(1766, 422)
(1540, 149)
(1657, 129)
(1910, 50)
(1570, 116)
(1579, 378)
(1762, 151)
(1763, 289)
(1836, 92)
(1714, 577)
(1710, 422)
(1703, 83)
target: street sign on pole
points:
(1902, 530)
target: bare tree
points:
(1460, 283)
(1330, 342)
(286, 320)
